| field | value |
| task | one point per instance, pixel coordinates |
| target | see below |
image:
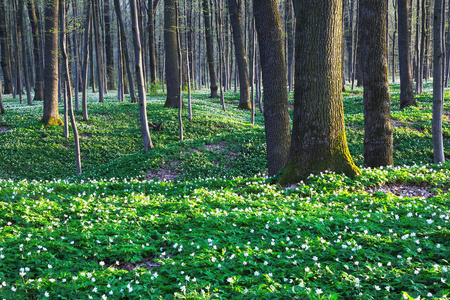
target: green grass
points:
(221, 230)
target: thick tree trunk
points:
(438, 88)
(109, 47)
(5, 53)
(378, 137)
(171, 57)
(51, 76)
(38, 87)
(276, 117)
(123, 39)
(404, 54)
(235, 17)
(210, 50)
(318, 135)
(140, 78)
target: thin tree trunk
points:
(123, 39)
(422, 48)
(180, 71)
(68, 88)
(220, 44)
(355, 46)
(84, 76)
(5, 53)
(140, 78)
(38, 91)
(2, 108)
(26, 73)
(394, 69)
(404, 42)
(241, 56)
(438, 89)
(417, 74)
(98, 50)
(18, 34)
(75, 55)
(152, 5)
(210, 49)
(109, 47)
(120, 88)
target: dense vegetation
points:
(207, 223)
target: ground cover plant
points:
(199, 220)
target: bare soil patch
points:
(147, 263)
(85, 136)
(404, 190)
(3, 129)
(165, 173)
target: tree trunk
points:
(422, 48)
(87, 34)
(210, 50)
(123, 39)
(318, 135)
(109, 47)
(51, 76)
(378, 137)
(276, 117)
(152, 5)
(38, 91)
(2, 108)
(438, 88)
(171, 57)
(25, 69)
(404, 54)
(290, 31)
(76, 74)
(69, 87)
(5, 53)
(394, 69)
(18, 50)
(98, 50)
(140, 78)
(235, 17)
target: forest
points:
(224, 149)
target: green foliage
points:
(220, 230)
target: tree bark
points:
(404, 54)
(84, 75)
(235, 17)
(123, 39)
(152, 5)
(25, 69)
(51, 74)
(318, 135)
(140, 77)
(5, 53)
(38, 91)
(98, 50)
(276, 117)
(378, 137)
(2, 108)
(109, 47)
(69, 87)
(171, 57)
(438, 88)
(210, 50)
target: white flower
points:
(256, 273)
(230, 279)
(318, 291)
(50, 266)
(47, 294)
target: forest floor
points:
(199, 219)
